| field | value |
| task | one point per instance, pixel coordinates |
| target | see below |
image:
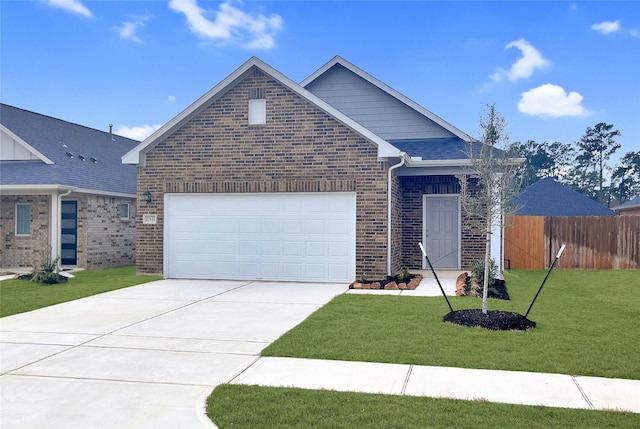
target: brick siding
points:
(299, 149)
(24, 251)
(413, 188)
(105, 241)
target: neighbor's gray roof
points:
(437, 148)
(57, 140)
(633, 203)
(550, 198)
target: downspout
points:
(393, 167)
(58, 228)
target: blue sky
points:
(553, 68)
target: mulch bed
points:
(494, 320)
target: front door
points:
(441, 231)
(69, 237)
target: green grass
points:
(587, 325)
(268, 407)
(18, 296)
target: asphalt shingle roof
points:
(631, 204)
(436, 148)
(550, 198)
(57, 140)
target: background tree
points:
(594, 150)
(543, 160)
(494, 168)
(625, 180)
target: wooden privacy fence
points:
(593, 242)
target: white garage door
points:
(293, 236)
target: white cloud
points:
(607, 27)
(74, 6)
(530, 60)
(128, 29)
(171, 99)
(230, 24)
(551, 101)
(137, 133)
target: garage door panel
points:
(261, 236)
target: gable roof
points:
(632, 204)
(136, 156)
(65, 154)
(550, 198)
(338, 60)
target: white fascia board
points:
(452, 162)
(384, 87)
(26, 145)
(104, 193)
(33, 189)
(385, 149)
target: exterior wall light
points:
(147, 196)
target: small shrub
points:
(478, 271)
(403, 275)
(47, 272)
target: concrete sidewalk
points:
(511, 387)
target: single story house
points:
(64, 192)
(331, 179)
(629, 208)
(547, 197)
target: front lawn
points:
(18, 296)
(586, 325)
(232, 406)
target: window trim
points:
(17, 220)
(257, 111)
(128, 217)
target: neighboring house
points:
(64, 189)
(550, 198)
(328, 180)
(629, 208)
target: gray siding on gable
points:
(372, 107)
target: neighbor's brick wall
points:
(413, 189)
(24, 251)
(396, 226)
(105, 241)
(299, 149)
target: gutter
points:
(403, 159)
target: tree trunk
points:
(487, 263)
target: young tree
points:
(494, 168)
(595, 149)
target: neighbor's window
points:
(23, 219)
(257, 111)
(124, 211)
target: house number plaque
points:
(150, 219)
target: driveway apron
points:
(145, 356)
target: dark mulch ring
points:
(494, 320)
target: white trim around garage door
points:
(261, 236)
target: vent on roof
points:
(69, 154)
(62, 143)
(256, 93)
(92, 159)
(82, 157)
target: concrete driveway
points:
(142, 357)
